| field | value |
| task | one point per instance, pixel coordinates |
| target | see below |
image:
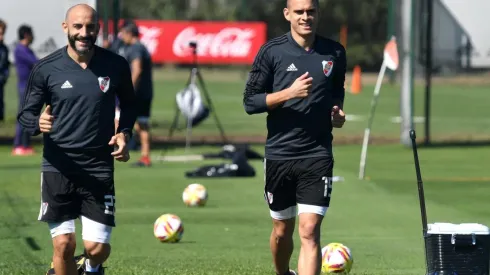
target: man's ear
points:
(65, 27)
(286, 13)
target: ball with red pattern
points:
(336, 259)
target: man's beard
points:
(72, 39)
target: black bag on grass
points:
(230, 150)
(238, 168)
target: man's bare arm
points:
(136, 69)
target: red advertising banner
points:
(217, 42)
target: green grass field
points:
(378, 219)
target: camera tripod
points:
(195, 76)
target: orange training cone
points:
(356, 85)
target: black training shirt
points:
(300, 127)
(83, 104)
(144, 87)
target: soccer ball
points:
(195, 195)
(336, 259)
(168, 228)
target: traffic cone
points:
(356, 85)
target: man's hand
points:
(338, 117)
(46, 120)
(121, 153)
(301, 86)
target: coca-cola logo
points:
(228, 42)
(149, 37)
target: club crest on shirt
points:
(327, 67)
(104, 83)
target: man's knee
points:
(97, 251)
(283, 229)
(64, 246)
(309, 227)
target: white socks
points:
(90, 268)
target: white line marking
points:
(417, 119)
(393, 119)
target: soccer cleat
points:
(29, 151)
(19, 151)
(143, 162)
(79, 260)
(292, 272)
(22, 151)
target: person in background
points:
(25, 59)
(4, 67)
(140, 61)
(117, 46)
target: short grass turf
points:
(379, 219)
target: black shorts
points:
(302, 181)
(66, 198)
(143, 107)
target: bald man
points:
(298, 80)
(78, 83)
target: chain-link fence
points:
(453, 93)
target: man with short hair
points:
(4, 68)
(79, 83)
(25, 59)
(140, 61)
(298, 79)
